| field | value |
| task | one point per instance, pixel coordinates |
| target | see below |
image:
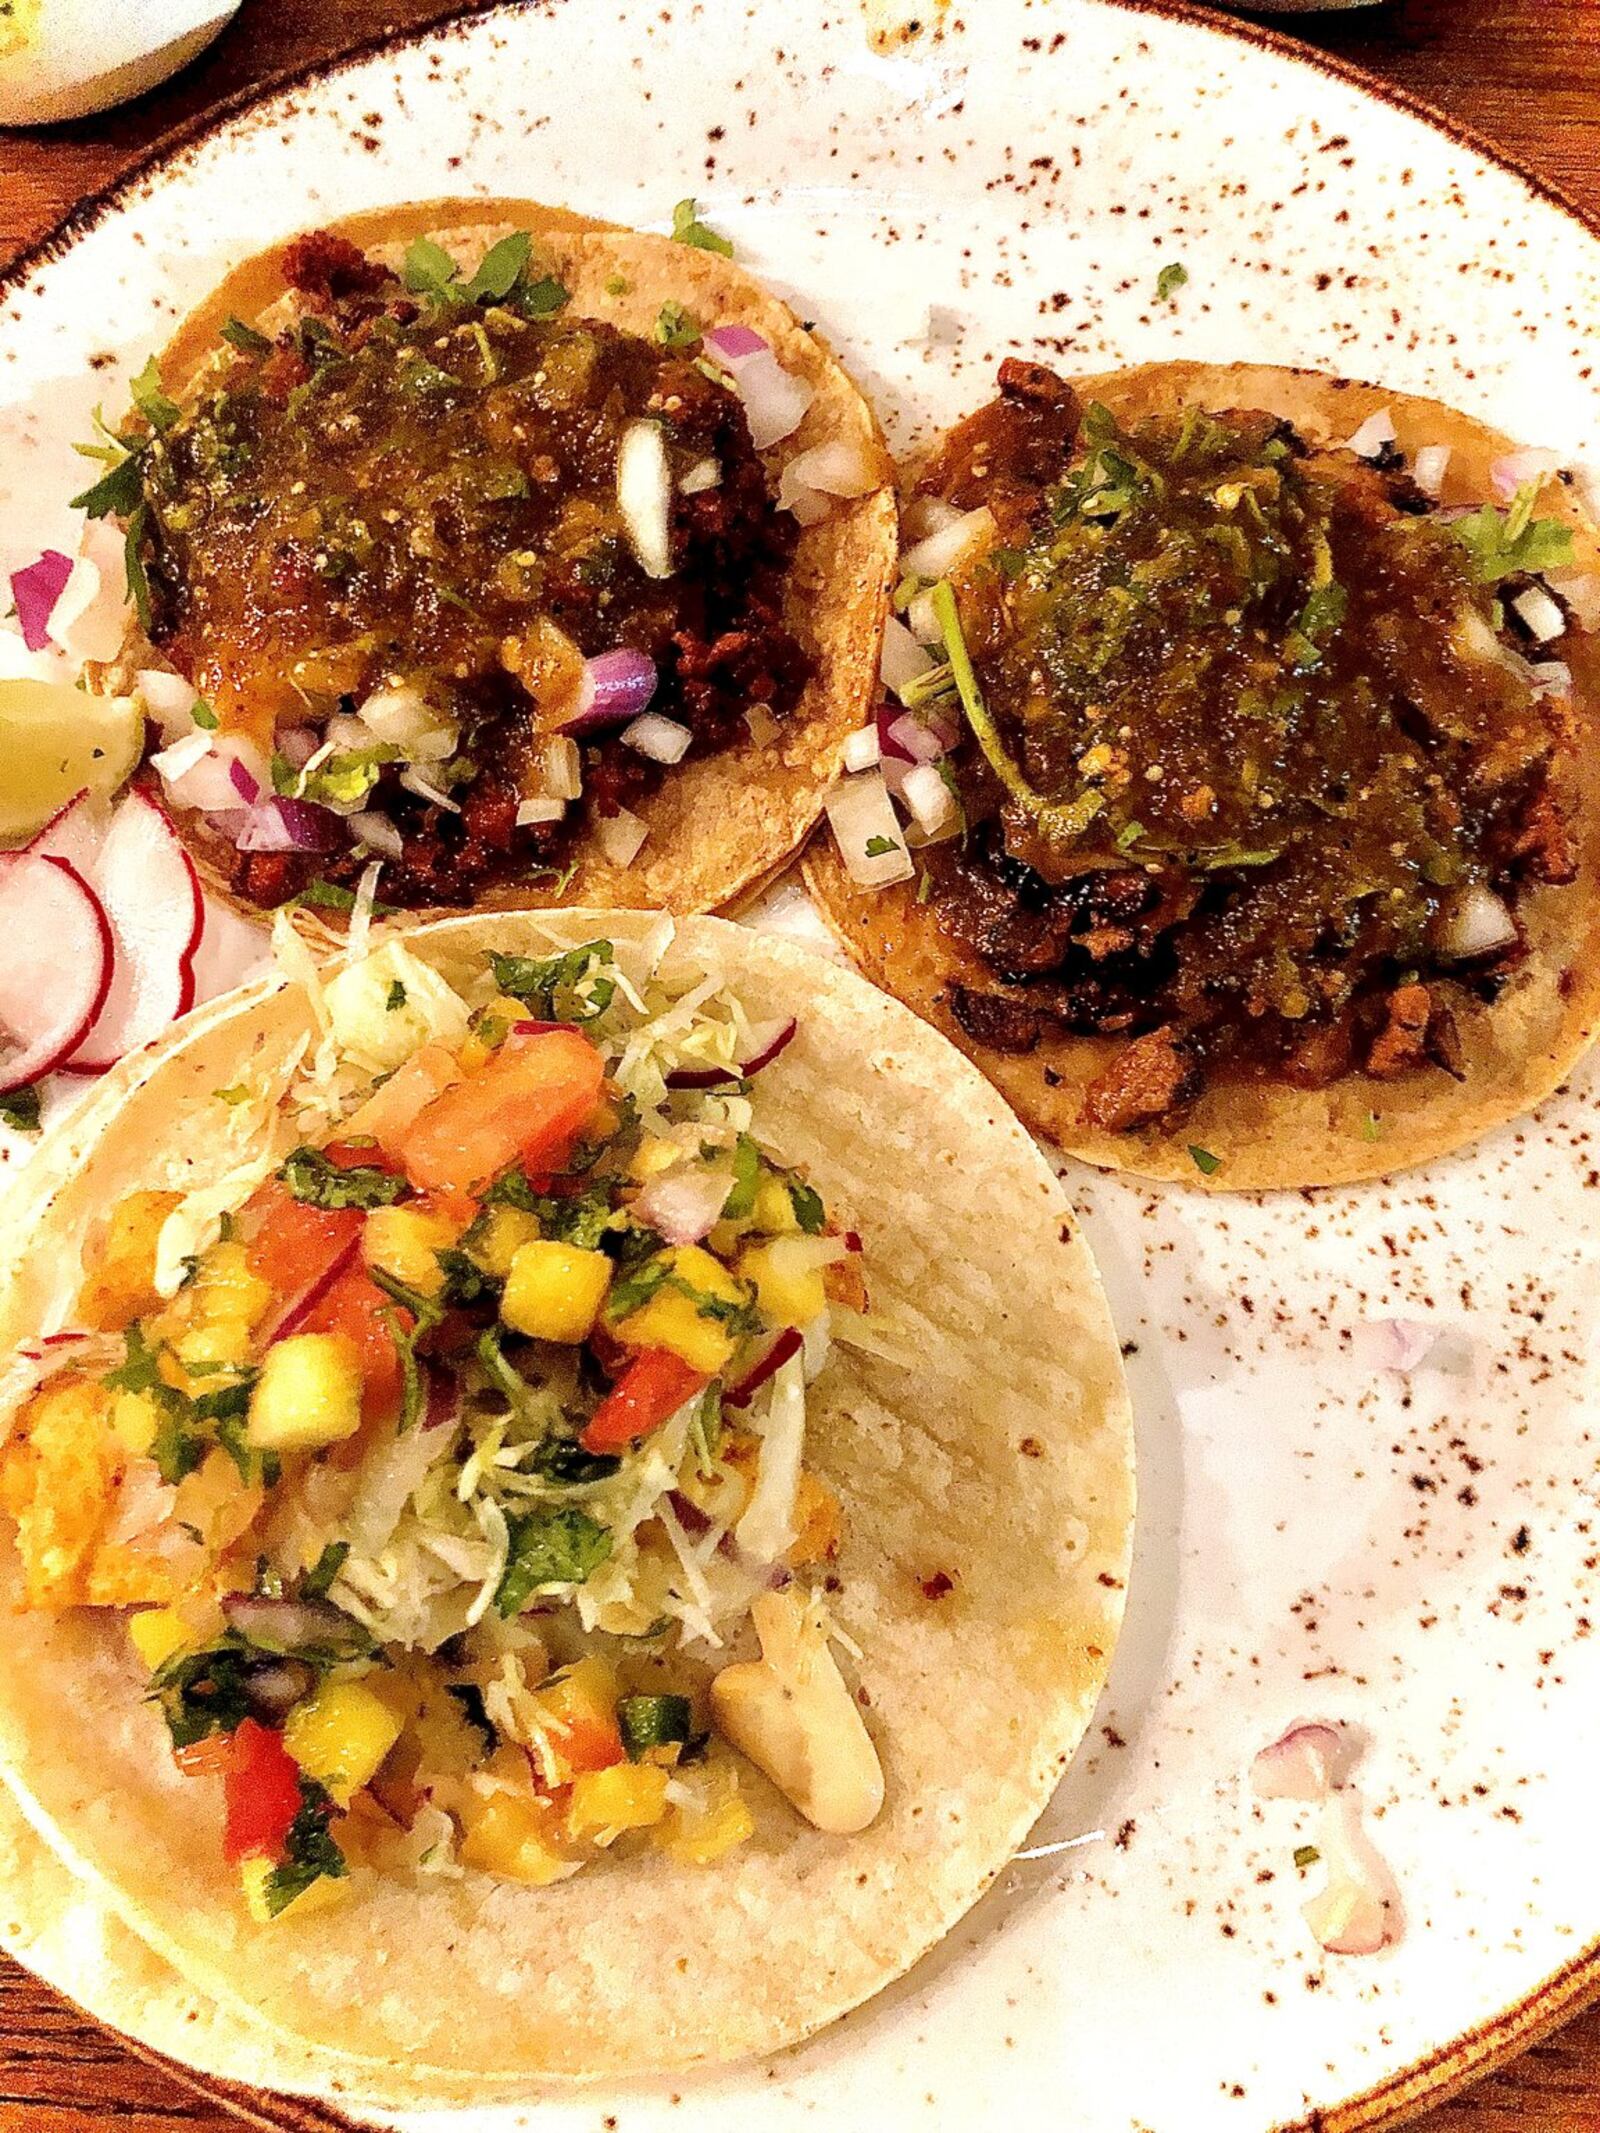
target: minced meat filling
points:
(1273, 732)
(398, 491)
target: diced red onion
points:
(1358, 1911)
(418, 781)
(932, 803)
(297, 745)
(1302, 1764)
(1514, 470)
(920, 736)
(937, 556)
(902, 658)
(767, 1040)
(619, 837)
(862, 749)
(1474, 923)
(838, 467)
(616, 686)
(663, 740)
(542, 807)
(1540, 615)
(772, 1360)
(245, 782)
(862, 814)
(36, 591)
(1373, 436)
(225, 773)
(644, 496)
(284, 825)
(734, 344)
(683, 1205)
(1429, 468)
(376, 832)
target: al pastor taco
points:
(544, 1464)
(1239, 810)
(537, 560)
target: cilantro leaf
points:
(500, 269)
(316, 1182)
(809, 1211)
(19, 1109)
(559, 988)
(118, 491)
(428, 270)
(1170, 280)
(145, 391)
(245, 338)
(746, 1176)
(1504, 544)
(1204, 1161)
(676, 327)
(309, 1852)
(561, 1546)
(687, 228)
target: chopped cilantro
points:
(201, 1693)
(559, 988)
(1306, 1855)
(428, 270)
(561, 1546)
(203, 715)
(617, 285)
(542, 298)
(675, 327)
(465, 1282)
(322, 895)
(746, 1175)
(119, 490)
(140, 1368)
(878, 846)
(1128, 836)
(1323, 612)
(924, 886)
(317, 1582)
(564, 1460)
(236, 1093)
(1170, 280)
(396, 997)
(1504, 544)
(314, 1180)
(145, 391)
(133, 561)
(245, 338)
(1204, 1161)
(500, 269)
(647, 1723)
(1371, 1127)
(309, 1852)
(809, 1211)
(19, 1109)
(632, 1290)
(687, 228)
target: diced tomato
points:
(654, 1385)
(355, 1306)
(261, 1791)
(390, 1110)
(293, 1247)
(589, 1744)
(206, 1758)
(528, 1103)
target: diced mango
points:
(122, 1285)
(217, 1503)
(308, 1394)
(773, 1213)
(695, 1836)
(683, 1314)
(651, 1157)
(226, 1291)
(193, 1360)
(517, 1839)
(135, 1418)
(254, 1874)
(788, 1284)
(625, 1796)
(489, 1029)
(405, 1243)
(340, 1735)
(498, 1236)
(156, 1633)
(554, 1291)
(577, 1710)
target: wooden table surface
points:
(1524, 72)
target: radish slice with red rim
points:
(150, 892)
(55, 964)
(768, 1039)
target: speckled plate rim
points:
(1565, 1993)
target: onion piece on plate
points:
(1358, 1910)
(814, 478)
(1474, 923)
(616, 687)
(147, 886)
(902, 658)
(1374, 436)
(1429, 468)
(1540, 614)
(93, 610)
(1513, 470)
(1302, 1764)
(56, 957)
(660, 739)
(35, 592)
(862, 749)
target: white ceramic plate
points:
(1320, 1535)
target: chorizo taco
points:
(515, 1494)
(536, 560)
(1238, 809)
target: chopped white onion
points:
(169, 699)
(1302, 1764)
(932, 803)
(761, 725)
(561, 769)
(683, 1205)
(423, 786)
(93, 612)
(1358, 1910)
(401, 717)
(377, 833)
(1474, 923)
(663, 740)
(619, 837)
(923, 622)
(1375, 433)
(938, 555)
(644, 496)
(775, 400)
(543, 807)
(902, 659)
(1429, 468)
(862, 815)
(1539, 614)
(345, 734)
(838, 467)
(1514, 470)
(927, 514)
(704, 474)
(225, 772)
(862, 749)
(919, 739)
(174, 762)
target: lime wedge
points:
(55, 741)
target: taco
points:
(538, 560)
(541, 1464)
(1239, 811)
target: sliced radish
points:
(151, 894)
(55, 964)
(232, 951)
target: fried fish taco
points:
(542, 1465)
(1239, 810)
(539, 560)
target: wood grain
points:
(1524, 72)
